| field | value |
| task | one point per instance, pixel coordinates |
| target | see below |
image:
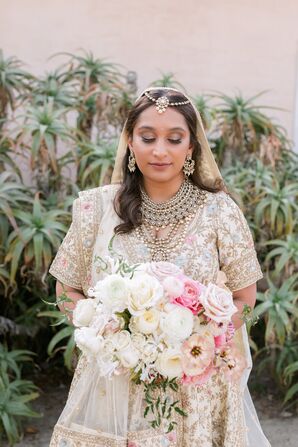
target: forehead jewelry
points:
(163, 102)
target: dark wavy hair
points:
(127, 202)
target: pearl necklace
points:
(175, 213)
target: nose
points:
(159, 149)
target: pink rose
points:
(162, 269)
(218, 303)
(190, 295)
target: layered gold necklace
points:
(175, 214)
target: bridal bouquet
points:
(160, 326)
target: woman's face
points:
(160, 143)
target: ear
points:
(129, 143)
(190, 149)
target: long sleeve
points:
(236, 251)
(66, 266)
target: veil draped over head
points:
(205, 163)
(101, 405)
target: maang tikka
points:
(189, 166)
(163, 102)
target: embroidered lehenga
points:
(99, 413)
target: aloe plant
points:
(57, 88)
(97, 78)
(277, 207)
(14, 398)
(43, 126)
(12, 195)
(242, 124)
(278, 305)
(13, 82)
(95, 163)
(39, 234)
(168, 80)
(286, 252)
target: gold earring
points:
(131, 162)
(189, 166)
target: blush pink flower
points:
(233, 363)
(200, 379)
(220, 340)
(198, 351)
(190, 295)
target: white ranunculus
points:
(128, 357)
(84, 312)
(148, 321)
(168, 363)
(138, 340)
(149, 353)
(145, 292)
(113, 292)
(218, 303)
(173, 286)
(88, 341)
(177, 325)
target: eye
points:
(148, 140)
(175, 141)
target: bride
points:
(167, 202)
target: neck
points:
(161, 192)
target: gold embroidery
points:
(217, 238)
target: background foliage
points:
(58, 134)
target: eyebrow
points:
(152, 128)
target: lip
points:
(160, 164)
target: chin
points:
(161, 177)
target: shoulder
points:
(222, 209)
(221, 200)
(94, 200)
(106, 190)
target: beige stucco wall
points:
(210, 44)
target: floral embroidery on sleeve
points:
(66, 265)
(237, 255)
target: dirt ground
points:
(280, 426)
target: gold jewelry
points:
(131, 162)
(189, 166)
(163, 102)
(175, 213)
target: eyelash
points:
(150, 140)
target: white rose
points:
(113, 292)
(145, 292)
(88, 341)
(177, 325)
(218, 303)
(148, 321)
(126, 352)
(168, 363)
(84, 312)
(173, 286)
(162, 269)
(121, 340)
